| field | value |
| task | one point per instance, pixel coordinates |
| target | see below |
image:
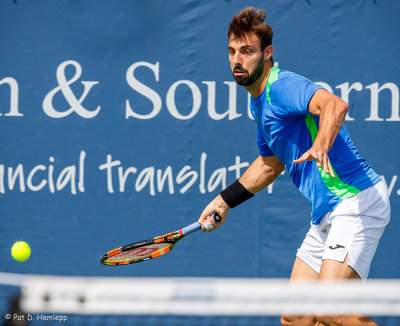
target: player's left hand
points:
(321, 156)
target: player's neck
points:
(258, 86)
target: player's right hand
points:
(217, 206)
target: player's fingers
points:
(332, 173)
(204, 222)
(318, 159)
(326, 164)
(209, 224)
(201, 220)
(302, 158)
(215, 223)
(215, 220)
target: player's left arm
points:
(332, 112)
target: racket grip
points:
(197, 227)
(191, 228)
(216, 218)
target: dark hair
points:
(251, 20)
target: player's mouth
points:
(238, 72)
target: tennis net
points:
(236, 298)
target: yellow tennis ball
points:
(20, 251)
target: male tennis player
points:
(300, 126)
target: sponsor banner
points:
(121, 121)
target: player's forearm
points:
(261, 173)
(332, 117)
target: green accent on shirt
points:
(273, 77)
(337, 186)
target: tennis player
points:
(300, 126)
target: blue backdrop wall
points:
(120, 121)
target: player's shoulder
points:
(290, 76)
(288, 82)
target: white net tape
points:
(203, 296)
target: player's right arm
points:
(262, 172)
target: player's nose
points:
(237, 59)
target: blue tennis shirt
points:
(287, 130)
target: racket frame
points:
(170, 238)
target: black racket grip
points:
(216, 217)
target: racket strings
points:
(141, 253)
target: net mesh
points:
(195, 301)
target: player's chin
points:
(241, 80)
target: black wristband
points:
(235, 194)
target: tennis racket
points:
(152, 248)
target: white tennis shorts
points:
(353, 228)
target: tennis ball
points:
(20, 251)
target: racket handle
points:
(216, 218)
(197, 227)
(191, 228)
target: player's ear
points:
(268, 51)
